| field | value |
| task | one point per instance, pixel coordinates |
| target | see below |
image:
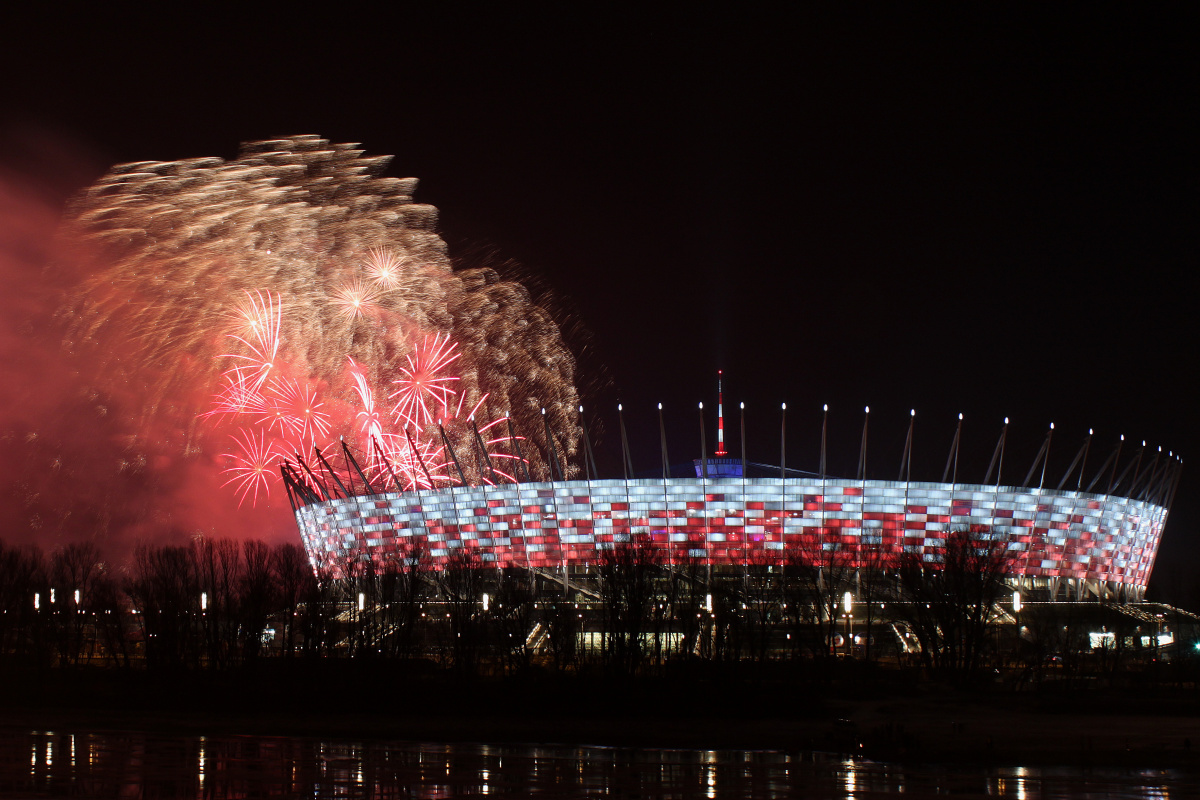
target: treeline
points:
(221, 604)
(207, 603)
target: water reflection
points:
(144, 765)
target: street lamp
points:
(847, 607)
(1016, 606)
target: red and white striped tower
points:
(720, 420)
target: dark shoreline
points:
(1155, 728)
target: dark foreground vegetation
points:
(247, 638)
(240, 635)
(222, 605)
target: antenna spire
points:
(720, 420)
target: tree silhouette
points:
(166, 597)
(949, 596)
(462, 585)
(818, 566)
(23, 575)
(627, 573)
(73, 572)
(294, 579)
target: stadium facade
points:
(1065, 544)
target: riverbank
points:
(896, 722)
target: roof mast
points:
(720, 420)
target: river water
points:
(113, 764)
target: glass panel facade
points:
(1052, 534)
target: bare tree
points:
(949, 596)
(256, 597)
(165, 594)
(875, 567)
(294, 577)
(399, 588)
(412, 588)
(627, 573)
(725, 643)
(73, 570)
(513, 611)
(360, 593)
(1055, 639)
(561, 619)
(317, 612)
(688, 592)
(22, 623)
(762, 593)
(109, 609)
(818, 567)
(218, 567)
(462, 584)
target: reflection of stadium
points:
(1067, 544)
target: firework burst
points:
(356, 299)
(287, 415)
(235, 397)
(240, 291)
(383, 268)
(261, 317)
(423, 382)
(369, 419)
(296, 408)
(254, 466)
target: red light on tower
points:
(720, 420)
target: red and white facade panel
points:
(1053, 534)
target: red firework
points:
(236, 397)
(279, 415)
(254, 466)
(442, 468)
(260, 317)
(422, 381)
(369, 420)
(294, 407)
(410, 459)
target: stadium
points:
(1061, 543)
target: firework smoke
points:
(201, 294)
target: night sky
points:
(987, 215)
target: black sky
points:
(987, 214)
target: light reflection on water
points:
(151, 765)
